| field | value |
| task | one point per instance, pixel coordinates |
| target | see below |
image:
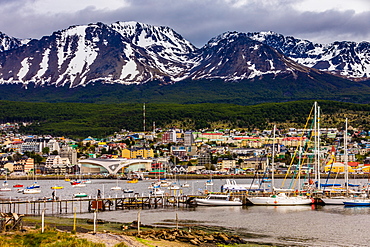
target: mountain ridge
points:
(156, 64)
(135, 53)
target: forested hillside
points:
(81, 120)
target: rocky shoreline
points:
(195, 237)
(128, 234)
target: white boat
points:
(174, 187)
(165, 183)
(231, 185)
(87, 181)
(78, 185)
(31, 191)
(218, 200)
(5, 187)
(280, 199)
(116, 188)
(337, 200)
(157, 192)
(357, 202)
(340, 200)
(128, 191)
(185, 185)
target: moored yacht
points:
(218, 200)
(280, 199)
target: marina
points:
(268, 224)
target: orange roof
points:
(246, 138)
(353, 164)
(294, 138)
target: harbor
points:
(311, 222)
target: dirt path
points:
(110, 239)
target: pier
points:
(35, 207)
(84, 205)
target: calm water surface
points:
(287, 225)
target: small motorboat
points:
(128, 191)
(18, 186)
(218, 200)
(31, 191)
(87, 181)
(57, 187)
(78, 185)
(116, 188)
(185, 185)
(174, 187)
(133, 181)
(35, 185)
(80, 195)
(75, 182)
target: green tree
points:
(46, 150)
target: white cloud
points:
(70, 6)
(358, 6)
(321, 21)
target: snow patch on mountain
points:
(347, 59)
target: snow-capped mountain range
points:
(136, 53)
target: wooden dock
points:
(84, 205)
(87, 205)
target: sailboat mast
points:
(144, 117)
(318, 147)
(315, 140)
(317, 144)
(299, 166)
(346, 157)
(273, 159)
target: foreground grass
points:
(49, 238)
(53, 237)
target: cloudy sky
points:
(321, 21)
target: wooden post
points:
(95, 221)
(43, 220)
(177, 222)
(138, 222)
(74, 220)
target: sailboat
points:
(33, 188)
(340, 200)
(5, 183)
(78, 182)
(5, 186)
(279, 198)
(116, 187)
